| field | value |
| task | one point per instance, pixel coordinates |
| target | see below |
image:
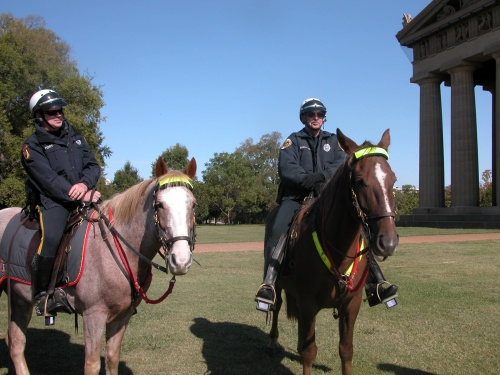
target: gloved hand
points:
(311, 179)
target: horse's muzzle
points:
(385, 238)
(179, 262)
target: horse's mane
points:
(124, 204)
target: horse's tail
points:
(292, 312)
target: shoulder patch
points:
(26, 152)
(286, 144)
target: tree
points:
(33, 58)
(263, 157)
(226, 179)
(176, 157)
(406, 199)
(486, 189)
(126, 177)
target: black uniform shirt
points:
(301, 155)
(55, 161)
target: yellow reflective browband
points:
(371, 151)
(175, 180)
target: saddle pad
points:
(19, 255)
(20, 244)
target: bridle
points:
(360, 154)
(364, 218)
(166, 242)
(360, 213)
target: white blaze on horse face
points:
(177, 202)
(381, 176)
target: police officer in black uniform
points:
(62, 171)
(307, 159)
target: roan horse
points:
(151, 215)
(325, 265)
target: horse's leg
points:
(93, 324)
(274, 333)
(21, 311)
(347, 320)
(114, 336)
(306, 345)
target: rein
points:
(321, 244)
(166, 243)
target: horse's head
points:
(372, 181)
(174, 214)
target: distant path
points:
(259, 246)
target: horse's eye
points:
(359, 183)
(158, 205)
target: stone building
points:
(455, 42)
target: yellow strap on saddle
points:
(325, 259)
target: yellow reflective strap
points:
(371, 151)
(321, 253)
(174, 179)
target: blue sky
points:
(211, 74)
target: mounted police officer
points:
(307, 159)
(62, 172)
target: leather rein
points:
(166, 243)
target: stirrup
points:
(389, 302)
(263, 303)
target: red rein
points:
(137, 287)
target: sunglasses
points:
(314, 114)
(55, 112)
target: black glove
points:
(311, 179)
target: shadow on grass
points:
(232, 348)
(49, 351)
(398, 370)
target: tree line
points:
(237, 187)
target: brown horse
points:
(153, 214)
(326, 262)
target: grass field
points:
(447, 322)
(252, 233)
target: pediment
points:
(438, 16)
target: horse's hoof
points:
(274, 348)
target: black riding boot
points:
(266, 295)
(42, 273)
(375, 293)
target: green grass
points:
(207, 234)
(446, 322)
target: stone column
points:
(495, 168)
(431, 155)
(464, 159)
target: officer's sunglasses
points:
(55, 112)
(314, 114)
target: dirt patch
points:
(259, 246)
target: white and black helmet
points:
(44, 100)
(312, 104)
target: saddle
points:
(24, 233)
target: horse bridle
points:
(167, 243)
(362, 153)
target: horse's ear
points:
(190, 169)
(161, 167)
(345, 143)
(385, 141)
